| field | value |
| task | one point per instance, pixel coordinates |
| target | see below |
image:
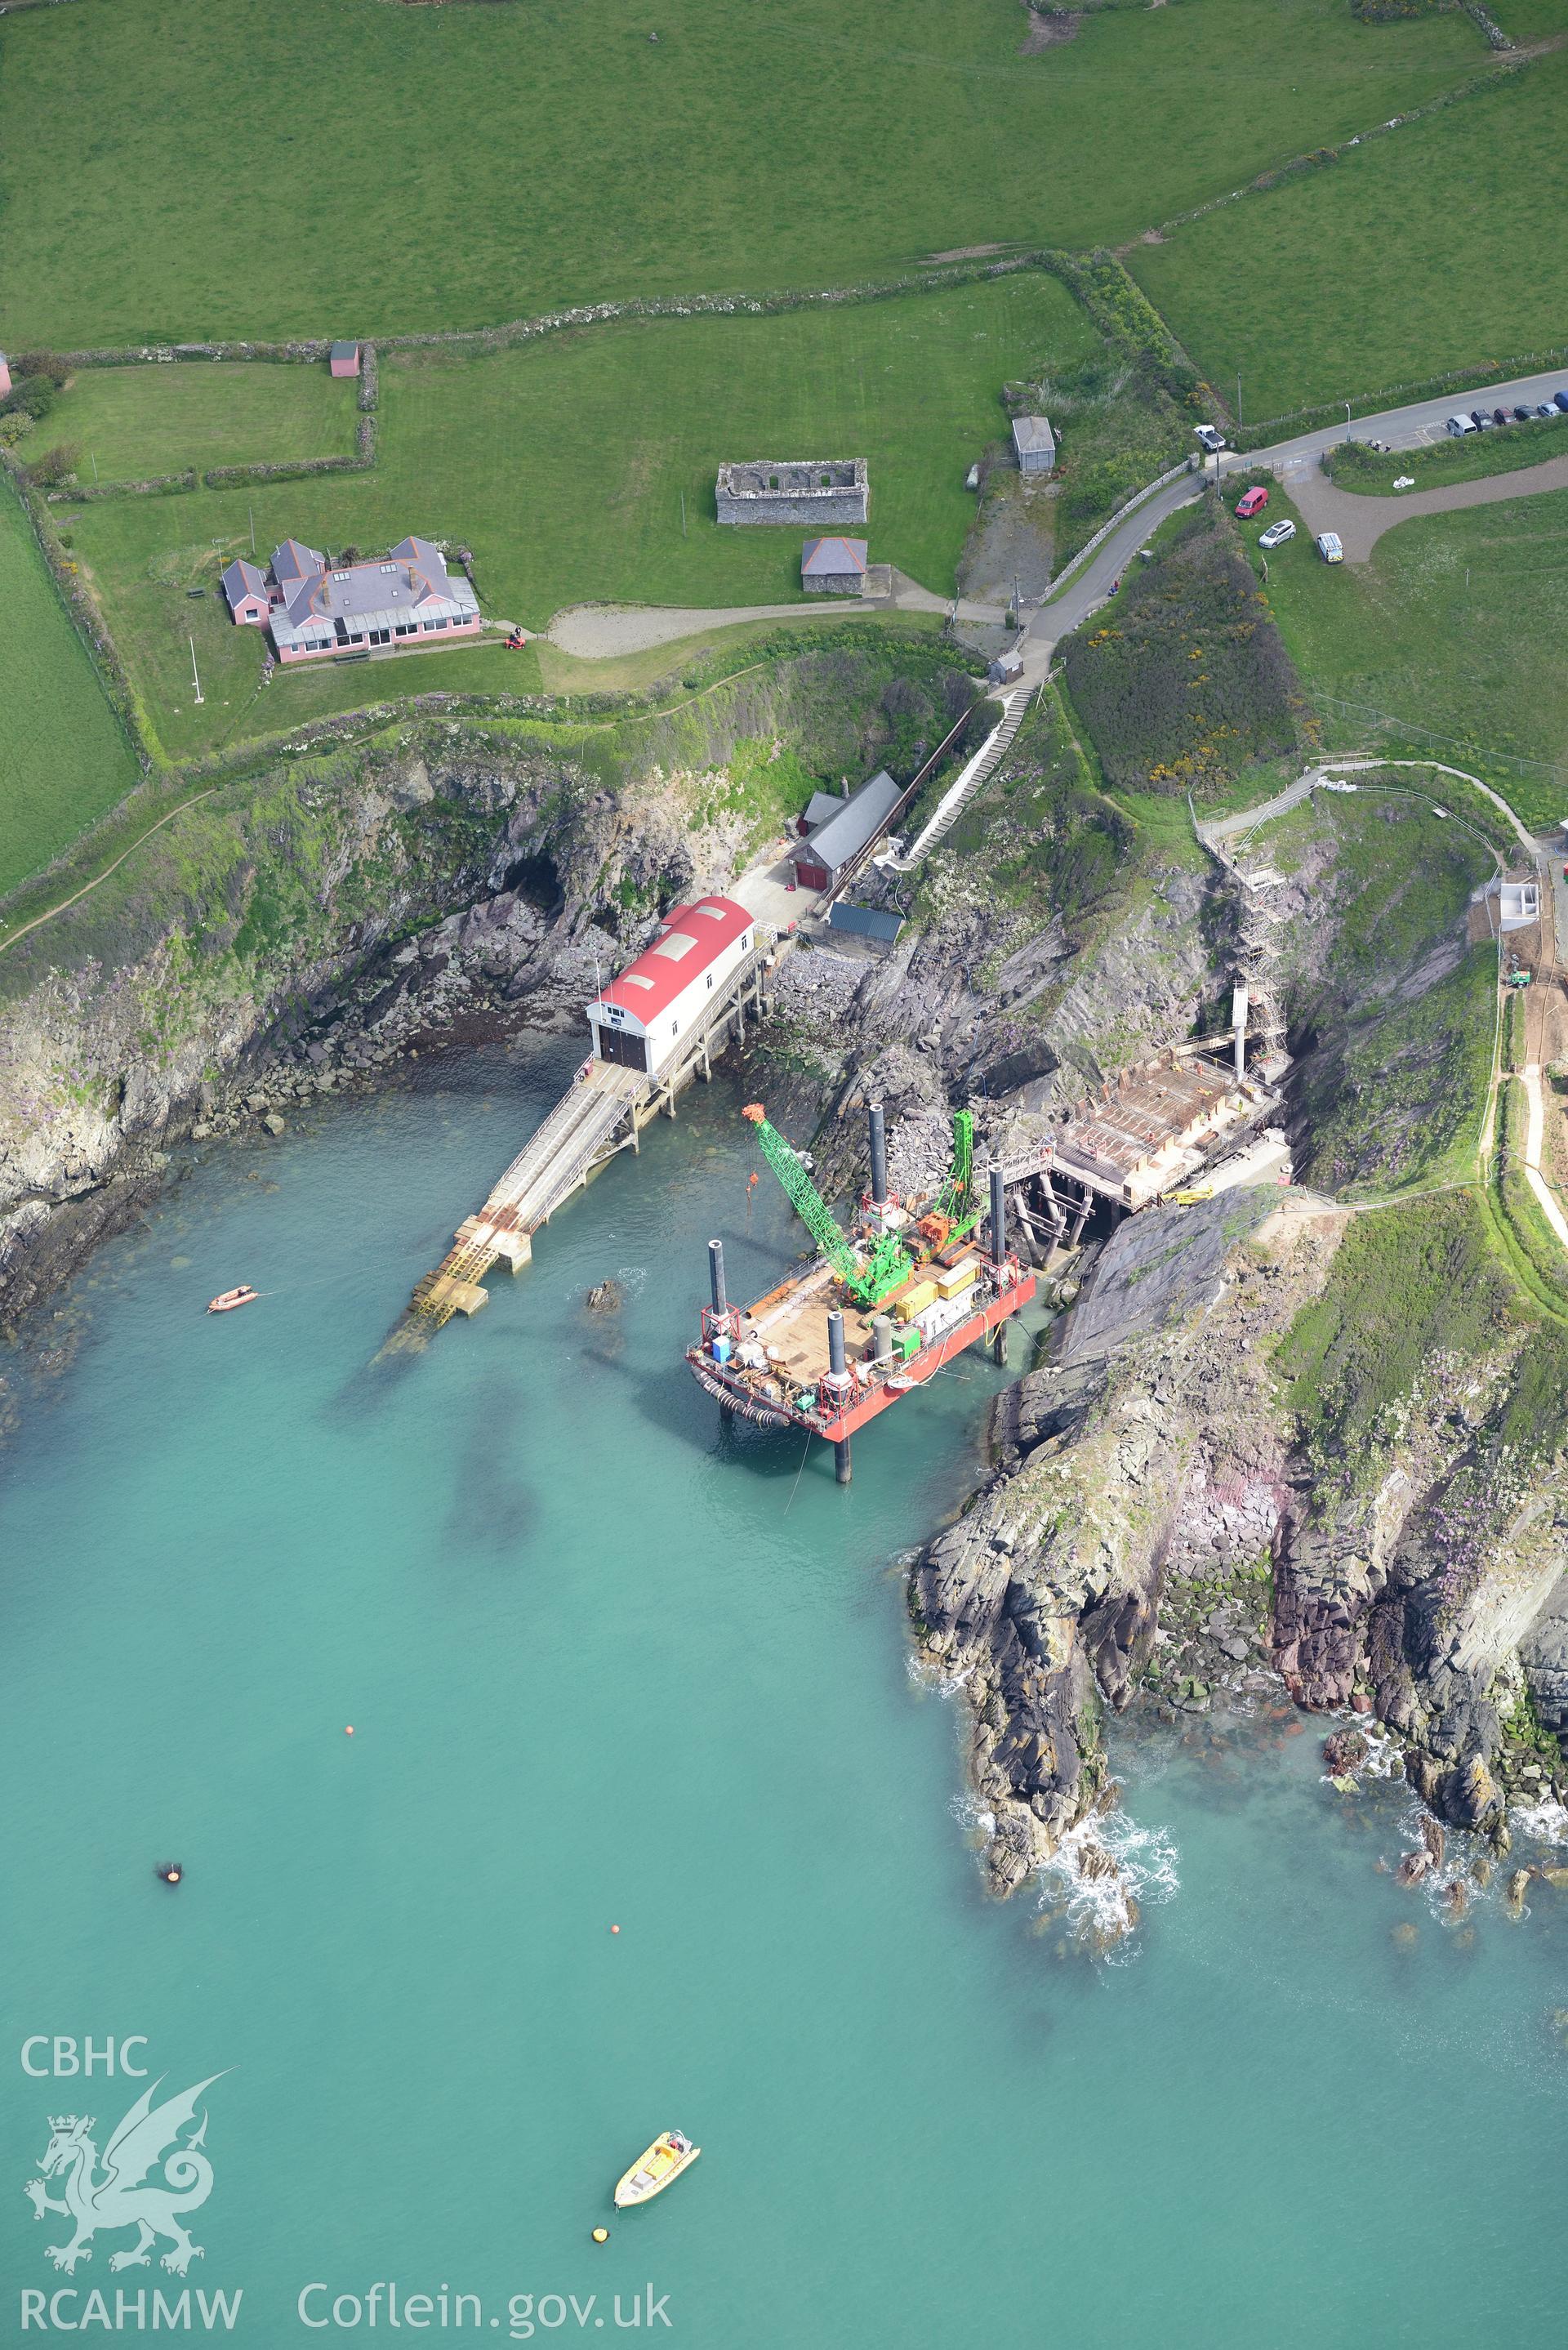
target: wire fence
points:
(1362, 713)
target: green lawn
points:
(562, 465)
(1455, 625)
(183, 168)
(64, 758)
(1440, 246)
(137, 421)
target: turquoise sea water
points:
(606, 1666)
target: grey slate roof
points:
(1033, 435)
(820, 807)
(411, 583)
(832, 558)
(859, 818)
(345, 351)
(241, 579)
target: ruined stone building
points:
(814, 492)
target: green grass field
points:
(1438, 248)
(1454, 626)
(64, 758)
(562, 465)
(346, 167)
(138, 421)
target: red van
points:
(1253, 502)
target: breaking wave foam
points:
(1545, 1819)
(1104, 1874)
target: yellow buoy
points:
(601, 2235)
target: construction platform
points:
(778, 1369)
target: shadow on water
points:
(492, 1511)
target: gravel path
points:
(1362, 521)
(604, 631)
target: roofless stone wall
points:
(813, 492)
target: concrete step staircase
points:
(955, 800)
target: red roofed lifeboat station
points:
(640, 1018)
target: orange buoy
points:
(614, 1930)
(348, 1729)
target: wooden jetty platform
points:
(602, 1113)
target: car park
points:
(1331, 546)
(1251, 502)
(1212, 438)
(1460, 425)
(1277, 534)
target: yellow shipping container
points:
(962, 1277)
(916, 1300)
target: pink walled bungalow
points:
(316, 613)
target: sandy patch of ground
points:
(1048, 28)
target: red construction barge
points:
(837, 1343)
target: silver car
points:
(1277, 534)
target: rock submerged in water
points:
(1345, 1751)
(604, 1297)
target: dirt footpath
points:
(1362, 521)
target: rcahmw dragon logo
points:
(125, 2195)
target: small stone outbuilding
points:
(1035, 444)
(834, 566)
(344, 358)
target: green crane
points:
(956, 1199)
(868, 1278)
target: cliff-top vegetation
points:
(1183, 681)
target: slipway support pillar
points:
(998, 1251)
(878, 1156)
(838, 1371)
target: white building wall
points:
(685, 1011)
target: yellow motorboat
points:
(670, 2153)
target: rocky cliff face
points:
(278, 940)
(1164, 1527)
(1143, 1475)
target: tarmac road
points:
(1414, 427)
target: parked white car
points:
(1331, 546)
(1460, 425)
(1277, 534)
(1211, 437)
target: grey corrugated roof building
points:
(856, 821)
(1034, 443)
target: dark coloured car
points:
(1500, 416)
(1481, 419)
(1522, 415)
(1560, 400)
